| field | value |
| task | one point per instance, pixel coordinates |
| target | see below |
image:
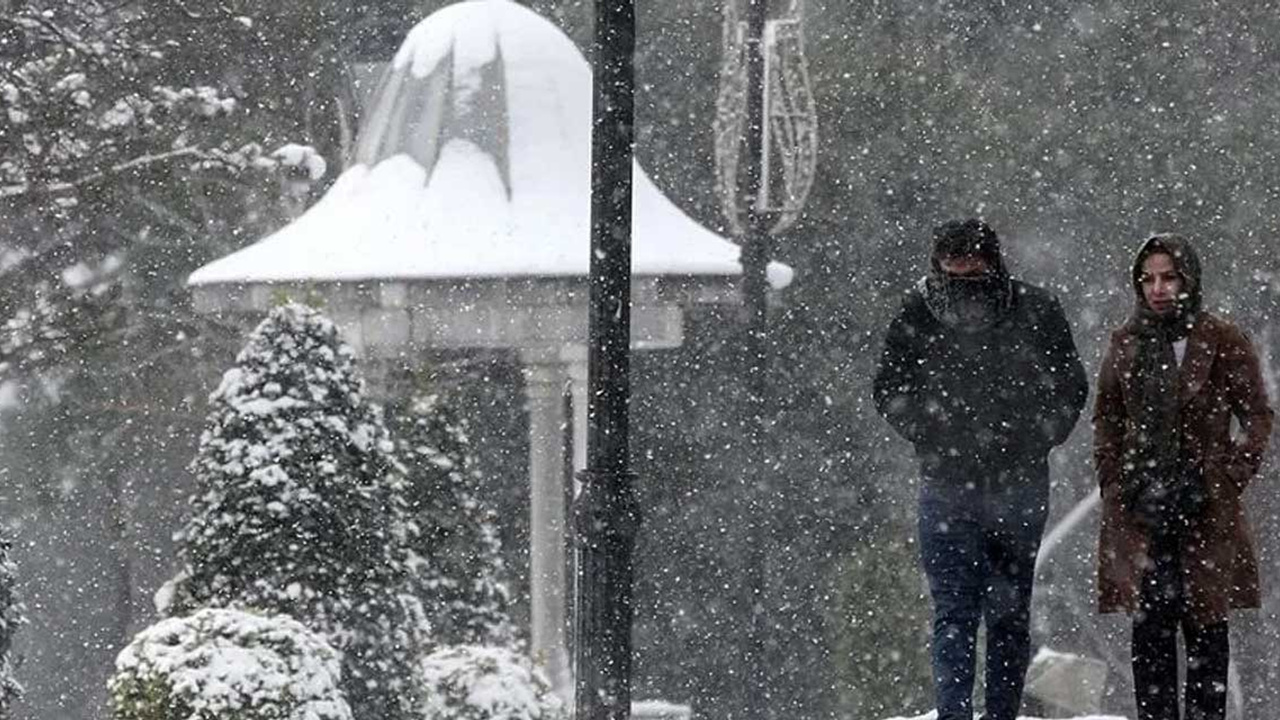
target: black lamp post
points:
(606, 513)
(755, 689)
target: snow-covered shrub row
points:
(473, 682)
(228, 665)
(300, 509)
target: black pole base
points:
(607, 518)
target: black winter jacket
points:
(997, 398)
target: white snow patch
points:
(659, 710)
(933, 715)
(10, 395)
(265, 406)
(77, 276)
(304, 157)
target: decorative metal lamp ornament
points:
(789, 147)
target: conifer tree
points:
(300, 509)
(457, 548)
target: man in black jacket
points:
(981, 375)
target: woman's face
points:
(1161, 283)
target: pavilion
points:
(464, 223)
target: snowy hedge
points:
(474, 682)
(228, 665)
(10, 618)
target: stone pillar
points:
(544, 387)
(575, 364)
(575, 360)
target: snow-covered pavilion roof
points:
(474, 162)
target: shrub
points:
(10, 619)
(474, 682)
(228, 665)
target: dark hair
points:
(966, 237)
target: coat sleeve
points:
(1110, 417)
(899, 385)
(1247, 394)
(1066, 376)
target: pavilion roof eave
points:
(388, 222)
(256, 296)
(779, 276)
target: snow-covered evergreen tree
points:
(460, 572)
(300, 509)
(10, 618)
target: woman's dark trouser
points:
(978, 542)
(1162, 610)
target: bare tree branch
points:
(166, 213)
(193, 15)
(62, 187)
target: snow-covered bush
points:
(228, 665)
(300, 509)
(458, 565)
(10, 618)
(473, 682)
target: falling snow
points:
(343, 512)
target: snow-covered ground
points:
(933, 715)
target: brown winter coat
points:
(1219, 378)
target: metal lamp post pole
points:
(755, 255)
(766, 154)
(755, 245)
(606, 514)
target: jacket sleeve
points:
(1065, 373)
(1110, 417)
(1247, 394)
(899, 386)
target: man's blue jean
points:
(979, 535)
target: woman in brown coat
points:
(1175, 547)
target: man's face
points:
(1161, 283)
(963, 265)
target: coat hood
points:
(1185, 260)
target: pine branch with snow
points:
(300, 508)
(86, 100)
(107, 146)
